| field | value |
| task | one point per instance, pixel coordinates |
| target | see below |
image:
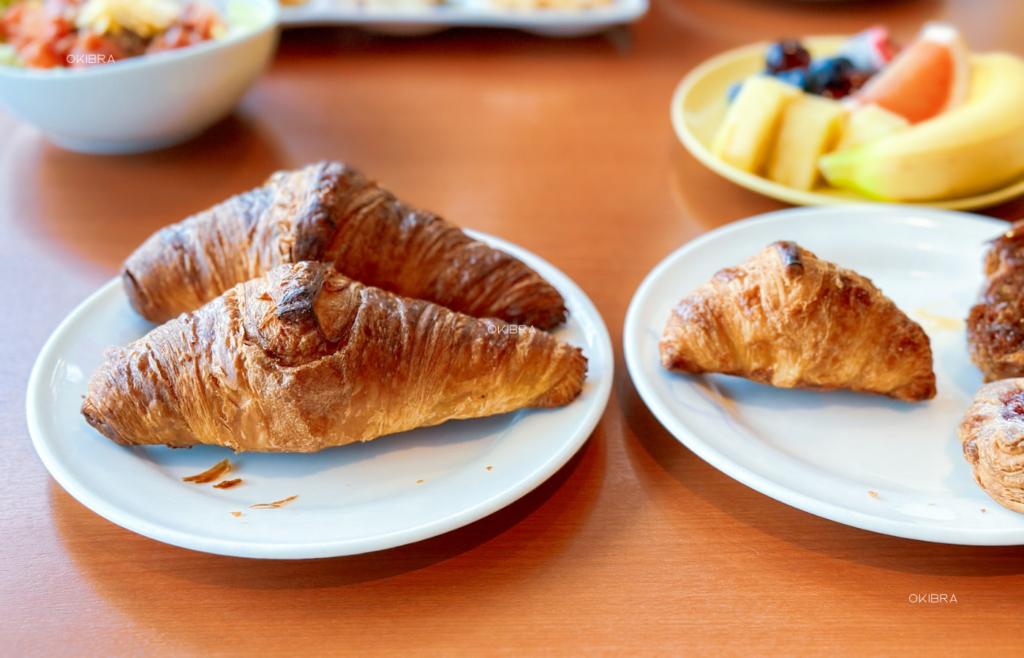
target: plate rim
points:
(43, 367)
(617, 13)
(780, 192)
(677, 428)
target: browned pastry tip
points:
(995, 324)
(992, 434)
(788, 319)
(305, 358)
(331, 213)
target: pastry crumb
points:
(489, 467)
(419, 481)
(227, 484)
(983, 510)
(873, 494)
(236, 514)
(215, 473)
(931, 504)
(275, 504)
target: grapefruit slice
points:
(928, 77)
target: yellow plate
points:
(698, 108)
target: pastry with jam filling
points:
(992, 434)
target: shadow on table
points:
(799, 528)
(332, 41)
(99, 208)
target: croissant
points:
(788, 319)
(992, 434)
(305, 358)
(995, 325)
(331, 213)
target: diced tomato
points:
(202, 19)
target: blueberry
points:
(795, 77)
(830, 77)
(734, 89)
(786, 55)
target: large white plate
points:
(352, 499)
(825, 453)
(475, 13)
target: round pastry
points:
(992, 434)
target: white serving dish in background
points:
(466, 13)
(147, 102)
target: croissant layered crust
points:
(992, 434)
(331, 213)
(788, 319)
(995, 325)
(305, 358)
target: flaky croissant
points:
(331, 213)
(788, 319)
(995, 325)
(304, 359)
(992, 434)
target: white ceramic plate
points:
(352, 499)
(825, 453)
(474, 13)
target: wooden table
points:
(637, 546)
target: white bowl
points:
(147, 102)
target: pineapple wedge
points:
(810, 127)
(869, 123)
(748, 131)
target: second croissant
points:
(329, 212)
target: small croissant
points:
(305, 358)
(331, 213)
(788, 319)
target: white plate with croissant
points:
(348, 374)
(823, 356)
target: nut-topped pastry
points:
(992, 434)
(995, 326)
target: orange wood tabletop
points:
(636, 547)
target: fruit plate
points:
(863, 460)
(699, 104)
(352, 499)
(424, 19)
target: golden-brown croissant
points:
(331, 213)
(995, 325)
(788, 319)
(992, 434)
(304, 359)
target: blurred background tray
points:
(411, 18)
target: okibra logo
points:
(90, 58)
(933, 598)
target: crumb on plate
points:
(215, 473)
(275, 504)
